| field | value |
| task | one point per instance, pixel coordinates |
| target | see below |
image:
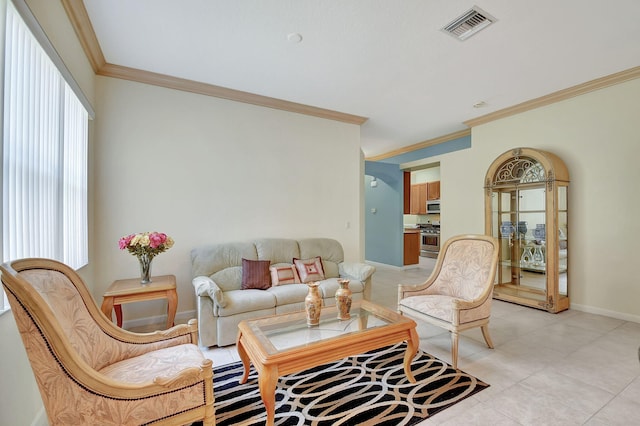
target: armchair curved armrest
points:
(406, 290)
(356, 271)
(470, 304)
(189, 329)
(205, 286)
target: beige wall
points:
(206, 170)
(598, 138)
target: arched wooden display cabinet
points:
(526, 209)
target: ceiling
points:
(387, 61)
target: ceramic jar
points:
(343, 300)
(313, 304)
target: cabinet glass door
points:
(563, 241)
(519, 222)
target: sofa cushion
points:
(329, 249)
(309, 269)
(241, 301)
(284, 273)
(255, 274)
(228, 279)
(277, 250)
(208, 260)
(289, 294)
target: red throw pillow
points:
(255, 274)
(309, 269)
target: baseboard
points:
(605, 312)
(181, 318)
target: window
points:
(44, 155)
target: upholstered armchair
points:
(88, 370)
(457, 295)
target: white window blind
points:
(45, 131)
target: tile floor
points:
(571, 368)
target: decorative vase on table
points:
(145, 246)
(343, 300)
(313, 304)
(145, 267)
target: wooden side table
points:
(130, 290)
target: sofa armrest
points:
(205, 286)
(356, 271)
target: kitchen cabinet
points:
(526, 209)
(407, 193)
(433, 190)
(418, 199)
(411, 247)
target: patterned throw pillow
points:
(284, 275)
(255, 274)
(309, 269)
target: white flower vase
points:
(145, 268)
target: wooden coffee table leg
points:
(244, 357)
(412, 349)
(267, 379)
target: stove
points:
(429, 240)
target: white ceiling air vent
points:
(469, 23)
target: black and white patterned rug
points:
(368, 389)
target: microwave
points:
(433, 206)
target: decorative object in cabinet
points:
(526, 192)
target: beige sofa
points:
(222, 303)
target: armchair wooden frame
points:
(465, 314)
(61, 371)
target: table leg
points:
(118, 309)
(267, 379)
(172, 302)
(244, 357)
(412, 348)
(107, 307)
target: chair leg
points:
(454, 349)
(485, 334)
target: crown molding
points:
(163, 80)
(420, 145)
(81, 23)
(558, 96)
(79, 18)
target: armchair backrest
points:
(69, 310)
(54, 309)
(466, 266)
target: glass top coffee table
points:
(284, 344)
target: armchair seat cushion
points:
(163, 363)
(433, 305)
